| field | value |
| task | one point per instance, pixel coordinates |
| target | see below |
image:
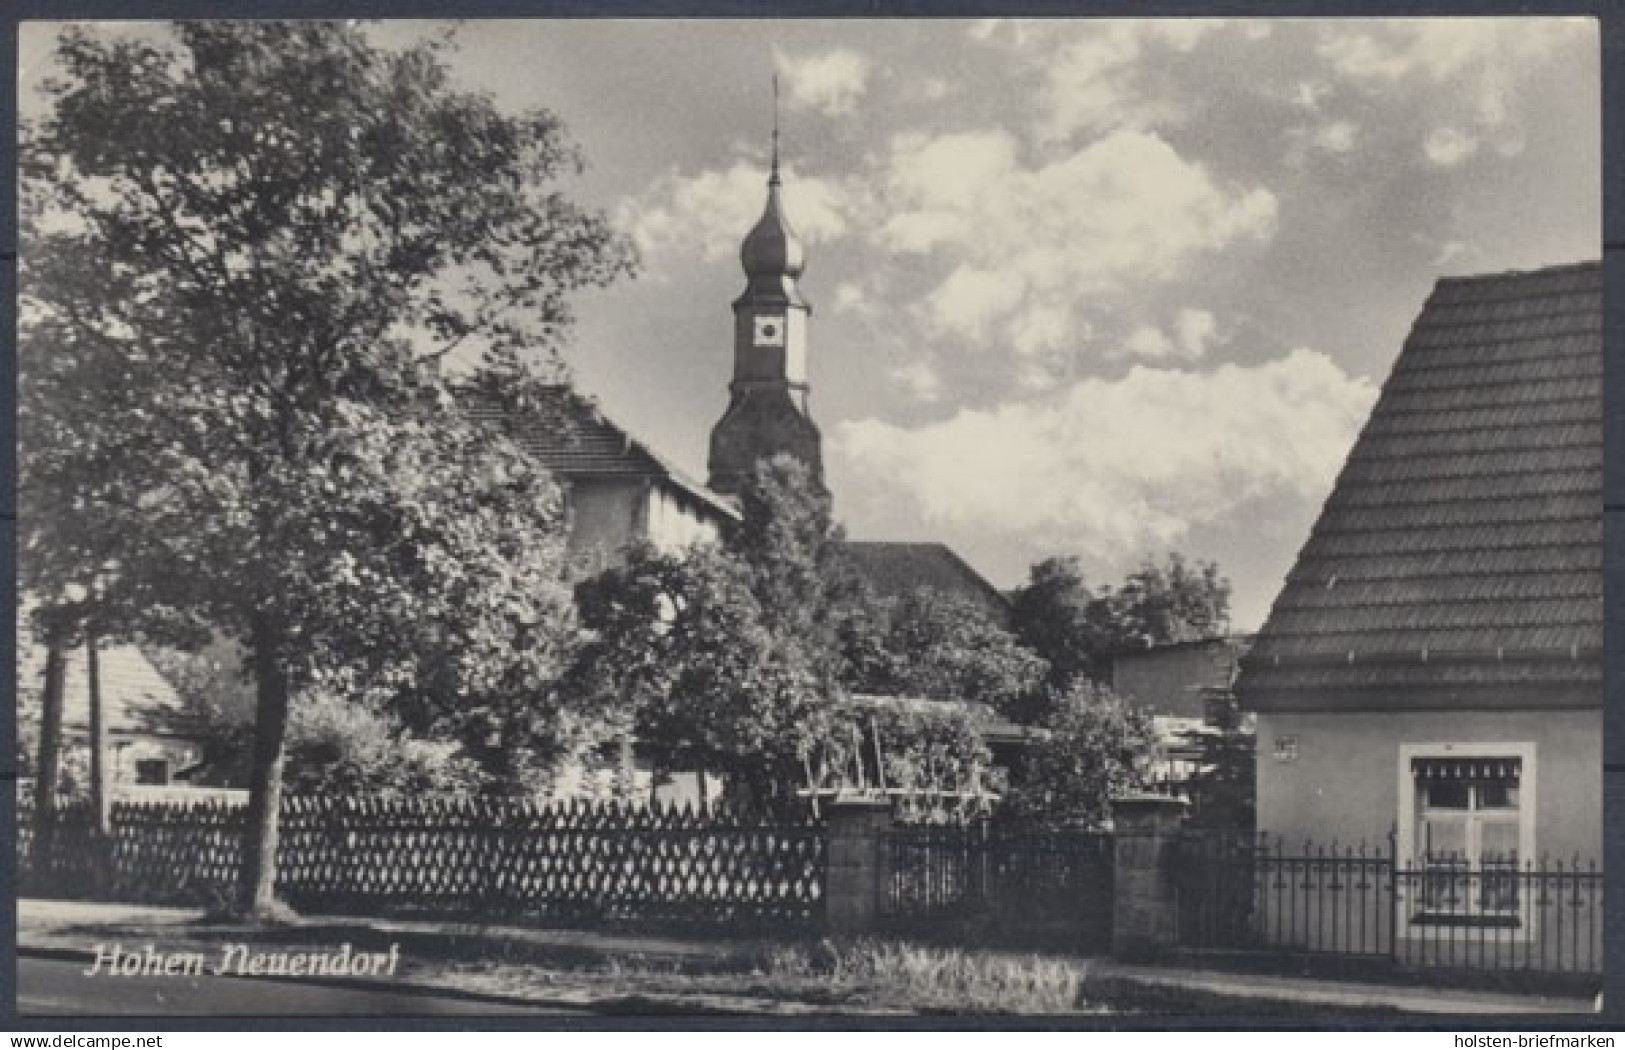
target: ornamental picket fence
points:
(574, 862)
(1261, 895)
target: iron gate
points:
(1014, 886)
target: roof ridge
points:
(1539, 271)
(576, 399)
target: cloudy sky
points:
(1107, 288)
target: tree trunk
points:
(101, 795)
(257, 890)
(48, 775)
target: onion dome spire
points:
(772, 249)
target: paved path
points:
(57, 988)
(1353, 994)
(74, 925)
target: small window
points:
(152, 771)
(1467, 835)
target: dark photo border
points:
(1611, 16)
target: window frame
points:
(153, 763)
(1419, 921)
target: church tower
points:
(767, 407)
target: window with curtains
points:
(1467, 825)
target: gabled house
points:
(618, 489)
(152, 743)
(893, 570)
(1433, 664)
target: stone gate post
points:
(856, 863)
(1144, 916)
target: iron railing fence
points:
(1237, 892)
(1542, 915)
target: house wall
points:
(1344, 785)
(125, 749)
(1344, 781)
(1170, 680)
(607, 514)
(674, 522)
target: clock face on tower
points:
(769, 331)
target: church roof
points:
(1458, 560)
(572, 437)
(772, 248)
(894, 570)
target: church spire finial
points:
(773, 177)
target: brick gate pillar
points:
(856, 863)
(1144, 916)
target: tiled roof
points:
(573, 438)
(893, 570)
(1460, 552)
(138, 698)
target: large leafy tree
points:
(682, 649)
(1172, 600)
(790, 544)
(1052, 615)
(946, 647)
(1095, 746)
(249, 250)
(335, 743)
(1077, 628)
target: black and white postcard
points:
(1088, 518)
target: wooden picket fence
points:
(454, 857)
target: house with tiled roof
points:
(1433, 664)
(152, 743)
(618, 489)
(894, 570)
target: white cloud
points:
(1015, 32)
(984, 28)
(1482, 63)
(711, 212)
(1337, 137)
(1091, 85)
(1149, 341)
(1310, 93)
(1195, 328)
(831, 82)
(971, 299)
(1107, 467)
(1440, 48)
(1447, 147)
(1043, 328)
(1450, 251)
(920, 380)
(952, 171)
(1029, 252)
(1103, 78)
(1192, 331)
(851, 299)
